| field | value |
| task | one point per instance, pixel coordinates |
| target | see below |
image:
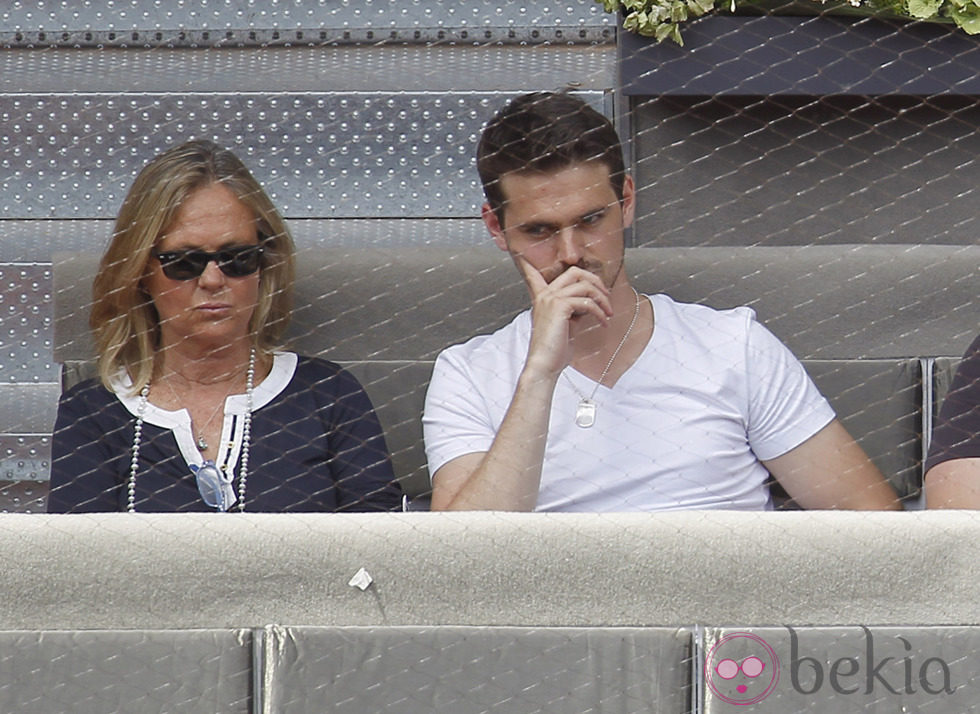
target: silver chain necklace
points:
(200, 440)
(209, 469)
(586, 410)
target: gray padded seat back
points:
(397, 391)
(469, 670)
(825, 302)
(833, 302)
(843, 669)
(859, 316)
(98, 671)
(943, 371)
(880, 403)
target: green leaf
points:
(922, 9)
(661, 19)
(640, 23)
(701, 7)
(631, 23)
(649, 24)
(968, 19)
(667, 30)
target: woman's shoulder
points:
(89, 399)
(317, 372)
(317, 368)
(91, 390)
(326, 383)
(316, 364)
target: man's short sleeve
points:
(456, 420)
(785, 407)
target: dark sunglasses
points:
(235, 261)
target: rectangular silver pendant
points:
(585, 414)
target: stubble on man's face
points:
(542, 208)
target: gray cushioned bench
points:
(104, 670)
(469, 612)
(507, 611)
(868, 321)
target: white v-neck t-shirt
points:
(712, 394)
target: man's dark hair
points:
(544, 132)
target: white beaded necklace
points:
(246, 439)
(585, 412)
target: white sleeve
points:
(785, 406)
(456, 420)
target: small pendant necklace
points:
(200, 440)
(586, 411)
(223, 493)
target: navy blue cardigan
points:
(316, 446)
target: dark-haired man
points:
(603, 399)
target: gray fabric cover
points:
(880, 404)
(97, 672)
(860, 317)
(469, 609)
(825, 302)
(944, 369)
(153, 571)
(397, 391)
(471, 670)
(876, 670)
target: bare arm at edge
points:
(954, 484)
(831, 471)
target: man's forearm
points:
(508, 476)
(830, 470)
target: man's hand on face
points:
(573, 295)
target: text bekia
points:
(853, 675)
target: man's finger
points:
(532, 276)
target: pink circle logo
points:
(741, 669)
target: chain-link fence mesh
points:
(819, 168)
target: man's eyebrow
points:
(554, 226)
(539, 224)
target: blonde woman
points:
(196, 409)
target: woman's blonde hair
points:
(124, 320)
